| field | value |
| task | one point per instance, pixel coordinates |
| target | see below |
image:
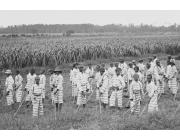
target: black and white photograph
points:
(89, 69)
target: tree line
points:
(86, 28)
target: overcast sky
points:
(156, 18)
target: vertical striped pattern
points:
(18, 84)
(58, 97)
(152, 90)
(116, 95)
(10, 98)
(37, 106)
(9, 88)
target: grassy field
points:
(90, 118)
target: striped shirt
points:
(9, 83)
(37, 89)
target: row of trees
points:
(86, 28)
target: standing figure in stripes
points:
(52, 83)
(18, 86)
(171, 76)
(117, 87)
(73, 78)
(152, 91)
(141, 76)
(43, 83)
(159, 74)
(82, 86)
(58, 89)
(103, 87)
(90, 73)
(9, 83)
(97, 78)
(136, 90)
(111, 72)
(29, 86)
(37, 91)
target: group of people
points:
(35, 90)
(135, 80)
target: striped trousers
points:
(81, 99)
(58, 96)
(74, 90)
(161, 87)
(29, 95)
(18, 94)
(116, 94)
(172, 83)
(43, 93)
(97, 94)
(153, 106)
(104, 97)
(135, 104)
(37, 106)
(10, 98)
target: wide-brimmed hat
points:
(172, 60)
(57, 69)
(8, 71)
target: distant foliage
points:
(87, 28)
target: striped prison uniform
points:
(18, 87)
(29, 86)
(9, 89)
(103, 88)
(117, 87)
(135, 94)
(124, 69)
(130, 74)
(58, 89)
(152, 91)
(37, 100)
(97, 78)
(73, 78)
(159, 73)
(90, 73)
(43, 83)
(82, 86)
(52, 83)
(172, 81)
(111, 72)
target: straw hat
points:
(57, 69)
(8, 72)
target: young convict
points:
(9, 83)
(29, 86)
(82, 86)
(90, 73)
(18, 86)
(37, 91)
(136, 90)
(111, 73)
(43, 83)
(171, 76)
(97, 78)
(152, 91)
(117, 87)
(159, 74)
(58, 89)
(51, 83)
(103, 87)
(73, 78)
